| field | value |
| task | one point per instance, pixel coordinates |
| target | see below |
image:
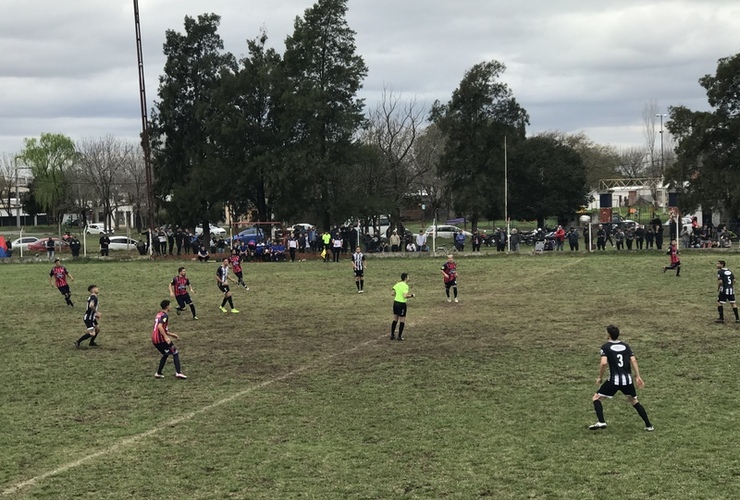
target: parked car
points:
(302, 227)
(23, 242)
(214, 230)
(97, 228)
(40, 246)
(122, 243)
(446, 231)
(251, 234)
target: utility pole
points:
(145, 145)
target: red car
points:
(40, 246)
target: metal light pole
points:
(662, 156)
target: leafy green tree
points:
(50, 158)
(546, 178)
(251, 135)
(707, 165)
(322, 113)
(191, 178)
(474, 123)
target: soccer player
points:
(58, 277)
(621, 360)
(90, 318)
(236, 265)
(161, 336)
(675, 260)
(222, 280)
(449, 273)
(179, 291)
(401, 295)
(358, 266)
(726, 288)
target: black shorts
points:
(90, 324)
(608, 389)
(64, 290)
(166, 349)
(726, 297)
(451, 283)
(182, 300)
(359, 273)
(223, 288)
(399, 309)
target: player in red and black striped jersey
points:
(179, 291)
(91, 317)
(161, 338)
(58, 278)
(675, 260)
(449, 273)
(621, 361)
(236, 266)
(726, 289)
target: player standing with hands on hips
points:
(726, 289)
(161, 338)
(621, 360)
(401, 295)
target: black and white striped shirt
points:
(358, 259)
(618, 355)
(92, 308)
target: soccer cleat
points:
(449, 299)
(719, 320)
(362, 290)
(223, 309)
(158, 375)
(650, 428)
(235, 311)
(246, 287)
(597, 426)
(737, 320)
(665, 269)
(401, 338)
(180, 375)
(393, 337)
(77, 344)
(195, 318)
(178, 311)
(456, 301)
(93, 344)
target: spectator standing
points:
(50, 248)
(640, 236)
(601, 238)
(460, 240)
(573, 239)
(559, 238)
(395, 241)
(104, 245)
(421, 241)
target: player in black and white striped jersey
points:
(621, 361)
(358, 265)
(726, 289)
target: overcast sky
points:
(574, 65)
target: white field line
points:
(126, 442)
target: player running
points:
(58, 277)
(449, 273)
(675, 260)
(179, 291)
(222, 280)
(726, 289)
(91, 318)
(236, 266)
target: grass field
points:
(303, 396)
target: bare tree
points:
(632, 162)
(7, 183)
(102, 161)
(428, 149)
(134, 183)
(649, 120)
(393, 128)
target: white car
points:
(23, 242)
(214, 230)
(122, 243)
(302, 227)
(446, 231)
(97, 228)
